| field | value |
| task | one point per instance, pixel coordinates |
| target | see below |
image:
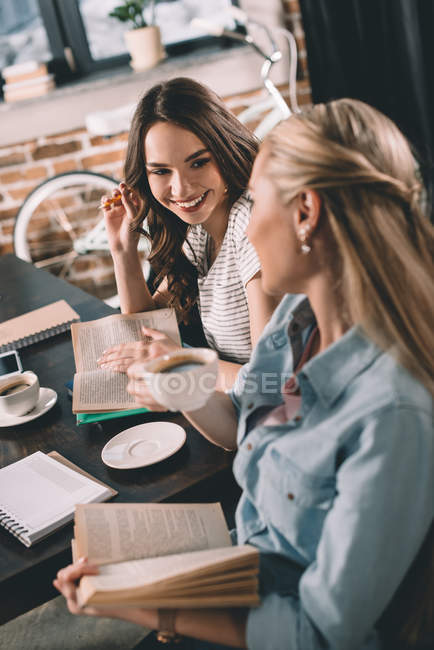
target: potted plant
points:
(143, 39)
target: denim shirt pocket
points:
(295, 503)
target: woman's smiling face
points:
(182, 174)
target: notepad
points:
(38, 495)
(36, 325)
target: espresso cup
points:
(182, 380)
(19, 393)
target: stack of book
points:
(26, 80)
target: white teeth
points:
(190, 204)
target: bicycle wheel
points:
(60, 228)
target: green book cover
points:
(88, 418)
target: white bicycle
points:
(59, 226)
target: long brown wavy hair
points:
(194, 107)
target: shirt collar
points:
(330, 372)
(302, 316)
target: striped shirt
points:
(222, 296)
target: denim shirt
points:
(338, 499)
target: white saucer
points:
(47, 399)
(144, 444)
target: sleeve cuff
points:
(280, 622)
(272, 625)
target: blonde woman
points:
(332, 416)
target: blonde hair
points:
(363, 169)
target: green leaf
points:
(121, 13)
(131, 10)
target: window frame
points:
(60, 63)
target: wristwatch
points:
(166, 626)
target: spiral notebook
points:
(38, 495)
(36, 325)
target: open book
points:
(96, 390)
(163, 555)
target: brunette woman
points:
(187, 167)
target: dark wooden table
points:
(198, 472)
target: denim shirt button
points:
(298, 418)
(250, 406)
(290, 496)
(249, 446)
(279, 339)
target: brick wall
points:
(26, 164)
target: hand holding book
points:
(161, 556)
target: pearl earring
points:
(303, 235)
(308, 201)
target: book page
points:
(91, 338)
(98, 390)
(128, 531)
(38, 492)
(101, 390)
(163, 574)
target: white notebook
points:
(36, 325)
(38, 495)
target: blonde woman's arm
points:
(227, 626)
(217, 420)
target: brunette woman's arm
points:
(119, 215)
(133, 291)
(228, 371)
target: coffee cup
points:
(19, 393)
(182, 380)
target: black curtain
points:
(379, 51)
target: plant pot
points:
(144, 46)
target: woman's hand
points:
(119, 212)
(158, 344)
(66, 582)
(154, 344)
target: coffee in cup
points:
(19, 393)
(182, 380)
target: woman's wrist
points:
(126, 257)
(166, 632)
(122, 251)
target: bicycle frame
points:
(274, 103)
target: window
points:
(22, 33)
(105, 34)
(78, 37)
(97, 40)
